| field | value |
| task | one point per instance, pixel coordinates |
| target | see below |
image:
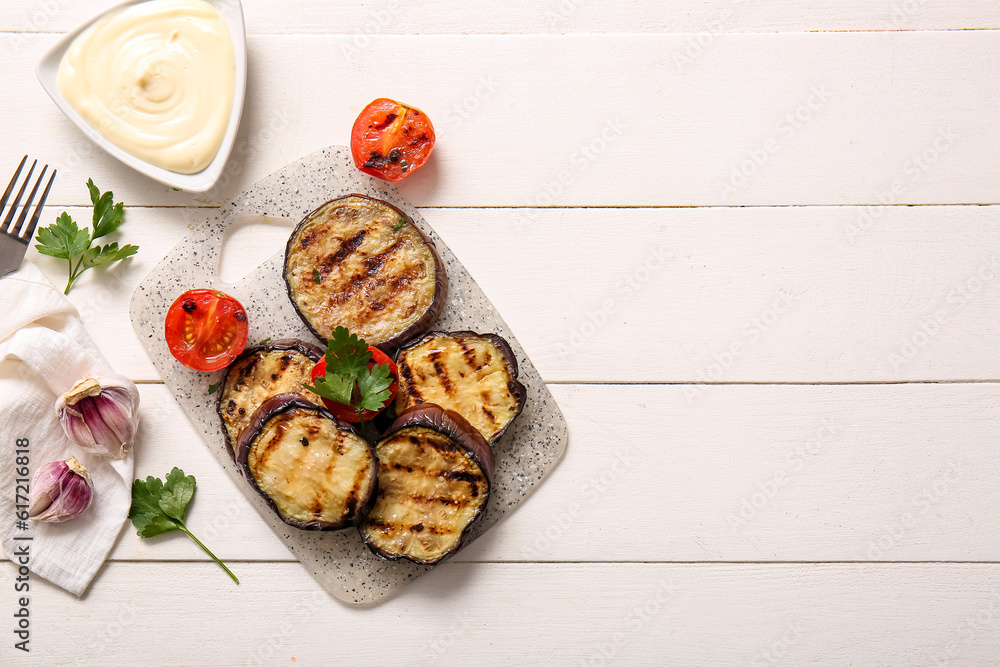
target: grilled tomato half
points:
(206, 329)
(391, 140)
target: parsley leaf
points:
(100, 256)
(316, 277)
(107, 214)
(348, 379)
(65, 240)
(374, 387)
(212, 388)
(158, 507)
(62, 239)
(335, 387)
(346, 354)
(399, 224)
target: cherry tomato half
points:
(391, 140)
(206, 329)
(347, 413)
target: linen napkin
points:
(44, 350)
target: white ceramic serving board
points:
(339, 560)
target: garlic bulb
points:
(60, 491)
(101, 414)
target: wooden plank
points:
(732, 473)
(838, 294)
(817, 294)
(596, 614)
(757, 119)
(524, 16)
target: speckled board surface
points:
(339, 560)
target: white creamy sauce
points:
(157, 80)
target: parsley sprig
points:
(348, 380)
(65, 240)
(158, 507)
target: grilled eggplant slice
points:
(473, 374)
(360, 263)
(259, 373)
(313, 470)
(435, 471)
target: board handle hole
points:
(250, 241)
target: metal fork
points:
(16, 234)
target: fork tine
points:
(6, 228)
(29, 231)
(15, 229)
(10, 186)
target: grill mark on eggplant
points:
(489, 415)
(442, 375)
(487, 398)
(280, 426)
(470, 355)
(463, 476)
(361, 288)
(442, 500)
(363, 282)
(249, 366)
(307, 237)
(375, 263)
(346, 248)
(319, 500)
(447, 446)
(404, 370)
(351, 505)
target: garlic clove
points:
(101, 414)
(60, 491)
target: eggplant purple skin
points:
(425, 322)
(274, 406)
(455, 426)
(516, 389)
(308, 349)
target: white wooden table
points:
(752, 246)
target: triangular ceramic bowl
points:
(232, 13)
